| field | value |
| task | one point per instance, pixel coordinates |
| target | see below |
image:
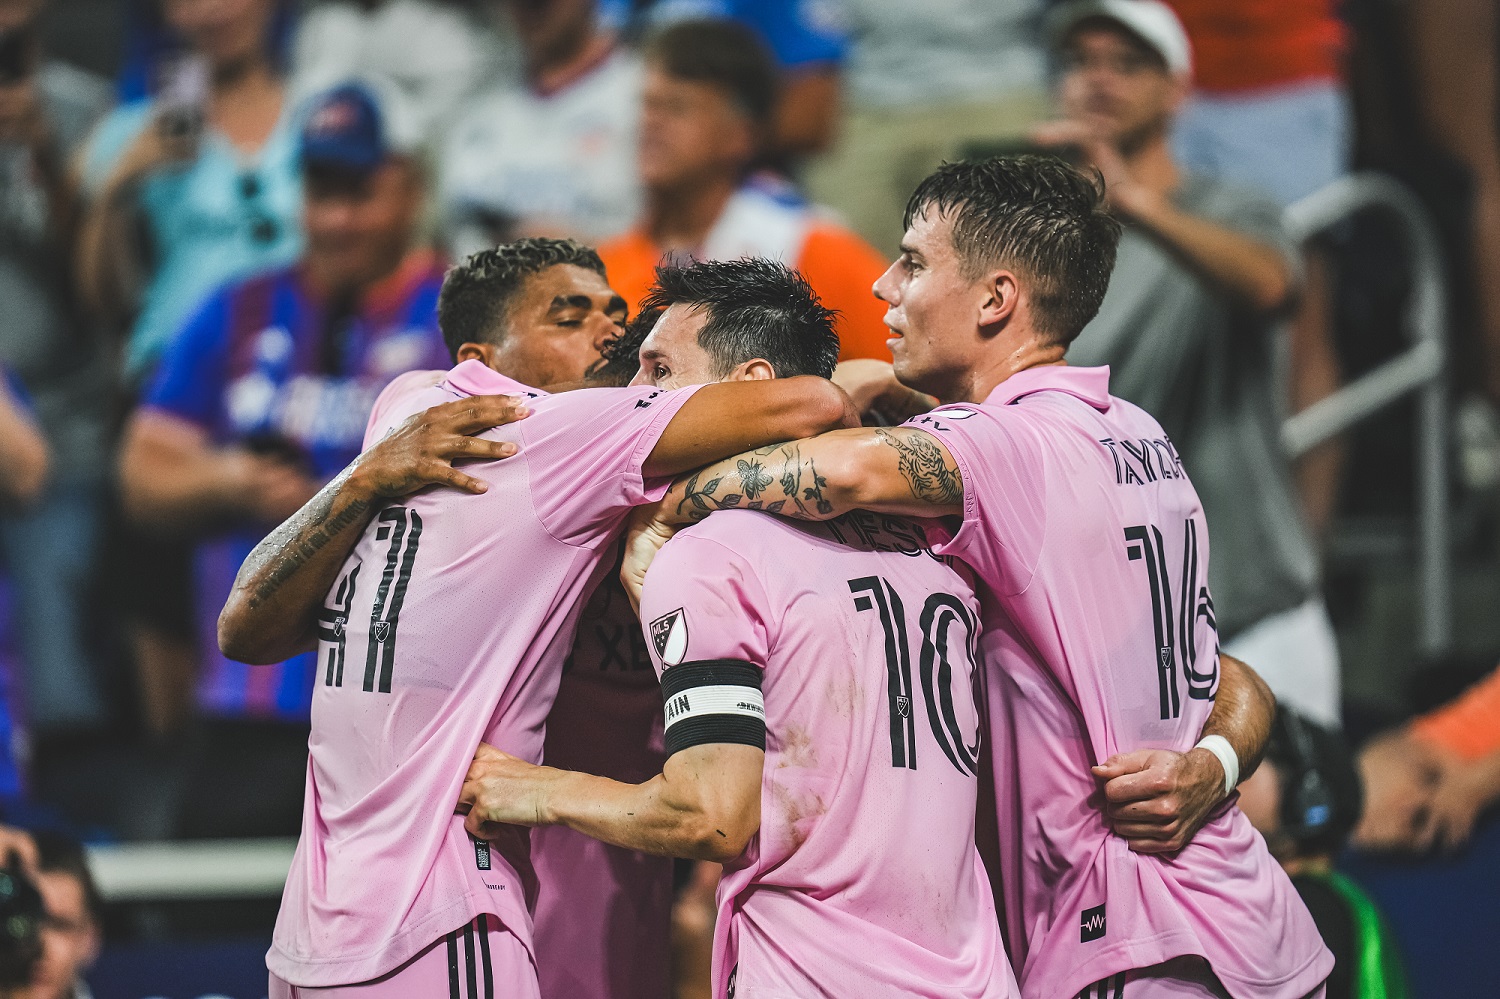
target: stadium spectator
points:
(709, 95)
(208, 167)
(1305, 799)
(807, 39)
(926, 81)
(71, 933)
(51, 548)
(1203, 272)
(551, 153)
(433, 52)
(23, 449)
(1270, 110)
(1428, 782)
(261, 399)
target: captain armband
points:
(713, 701)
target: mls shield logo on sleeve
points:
(669, 634)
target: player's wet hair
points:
(757, 308)
(723, 54)
(473, 306)
(1036, 215)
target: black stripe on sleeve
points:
(739, 720)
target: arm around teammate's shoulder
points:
(729, 417)
(897, 470)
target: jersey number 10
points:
(939, 615)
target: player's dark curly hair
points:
(1037, 215)
(757, 308)
(621, 357)
(476, 295)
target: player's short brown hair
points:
(1037, 215)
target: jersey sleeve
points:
(705, 616)
(190, 382)
(584, 455)
(402, 387)
(1469, 726)
(1004, 519)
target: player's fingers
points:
(1121, 764)
(1141, 786)
(1151, 811)
(475, 448)
(485, 412)
(1142, 830)
(488, 752)
(447, 475)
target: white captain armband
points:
(713, 701)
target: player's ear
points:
(755, 370)
(999, 295)
(481, 352)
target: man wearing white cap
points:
(1205, 271)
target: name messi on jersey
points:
(1138, 462)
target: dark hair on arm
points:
(476, 295)
(757, 308)
(1035, 214)
(723, 54)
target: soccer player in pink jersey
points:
(1089, 543)
(821, 713)
(448, 623)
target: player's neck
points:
(682, 218)
(1000, 364)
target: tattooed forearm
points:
(777, 479)
(932, 480)
(308, 532)
(272, 611)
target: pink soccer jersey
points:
(1099, 638)
(449, 625)
(863, 879)
(604, 914)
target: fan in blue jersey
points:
(264, 395)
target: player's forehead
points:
(675, 332)
(930, 235)
(564, 286)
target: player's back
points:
(863, 879)
(1099, 638)
(448, 625)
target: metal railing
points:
(1419, 369)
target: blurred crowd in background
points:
(223, 225)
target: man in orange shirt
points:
(710, 92)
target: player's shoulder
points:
(757, 539)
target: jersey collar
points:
(1089, 384)
(473, 377)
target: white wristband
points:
(1220, 747)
